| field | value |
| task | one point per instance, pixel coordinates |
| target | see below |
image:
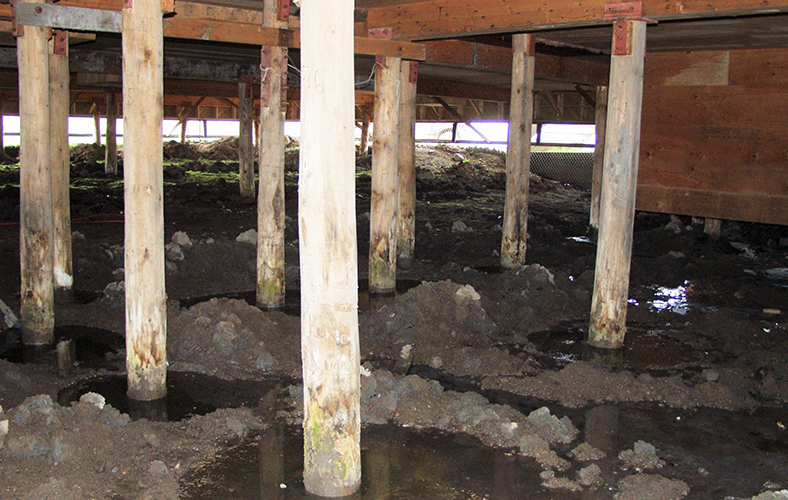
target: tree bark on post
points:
(59, 97)
(271, 195)
(111, 154)
(245, 144)
(383, 210)
(599, 154)
(406, 159)
(518, 155)
(619, 183)
(35, 189)
(146, 321)
(328, 251)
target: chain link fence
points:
(574, 168)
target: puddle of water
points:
(581, 239)
(397, 464)
(95, 348)
(744, 249)
(366, 301)
(188, 394)
(778, 276)
(671, 299)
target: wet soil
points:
(489, 365)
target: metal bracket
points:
(66, 18)
(284, 11)
(16, 30)
(413, 77)
(381, 33)
(622, 37)
(628, 10)
(61, 42)
(249, 80)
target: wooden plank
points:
(270, 289)
(146, 311)
(35, 190)
(406, 160)
(111, 153)
(518, 154)
(687, 69)
(619, 184)
(245, 147)
(329, 252)
(383, 210)
(447, 18)
(59, 96)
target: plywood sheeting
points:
(715, 150)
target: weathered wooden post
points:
(366, 116)
(245, 144)
(271, 191)
(712, 227)
(35, 188)
(383, 209)
(3, 155)
(518, 153)
(328, 248)
(59, 164)
(96, 109)
(619, 183)
(406, 159)
(600, 119)
(111, 154)
(143, 85)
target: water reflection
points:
(671, 299)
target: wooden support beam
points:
(35, 189)
(366, 117)
(518, 153)
(712, 227)
(453, 112)
(600, 119)
(328, 251)
(111, 154)
(406, 160)
(245, 144)
(383, 210)
(60, 164)
(271, 197)
(96, 112)
(143, 90)
(619, 183)
(3, 155)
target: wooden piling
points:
(245, 144)
(712, 227)
(59, 97)
(146, 327)
(35, 189)
(600, 119)
(3, 155)
(328, 251)
(384, 202)
(271, 196)
(619, 183)
(111, 154)
(97, 122)
(518, 155)
(406, 159)
(366, 117)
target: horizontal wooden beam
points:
(448, 18)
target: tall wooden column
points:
(406, 159)
(245, 144)
(518, 154)
(619, 183)
(3, 155)
(59, 97)
(271, 197)
(143, 85)
(600, 119)
(111, 154)
(97, 122)
(366, 116)
(35, 189)
(328, 248)
(383, 210)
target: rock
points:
(404, 360)
(111, 417)
(711, 375)
(77, 237)
(531, 445)
(436, 362)
(537, 274)
(676, 255)
(584, 452)
(151, 438)
(115, 289)
(158, 468)
(27, 446)
(182, 239)
(173, 252)
(94, 399)
(643, 456)
(224, 336)
(60, 450)
(590, 476)
(772, 495)
(460, 227)
(171, 266)
(674, 225)
(458, 157)
(552, 429)
(265, 362)
(249, 237)
(119, 274)
(40, 405)
(466, 294)
(236, 426)
(650, 487)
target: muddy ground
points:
(694, 406)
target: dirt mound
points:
(179, 150)
(221, 149)
(87, 153)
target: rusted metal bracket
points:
(381, 33)
(413, 77)
(61, 42)
(622, 14)
(627, 10)
(283, 12)
(249, 80)
(16, 29)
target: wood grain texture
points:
(35, 190)
(617, 203)
(329, 252)
(111, 153)
(600, 119)
(406, 159)
(245, 141)
(146, 320)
